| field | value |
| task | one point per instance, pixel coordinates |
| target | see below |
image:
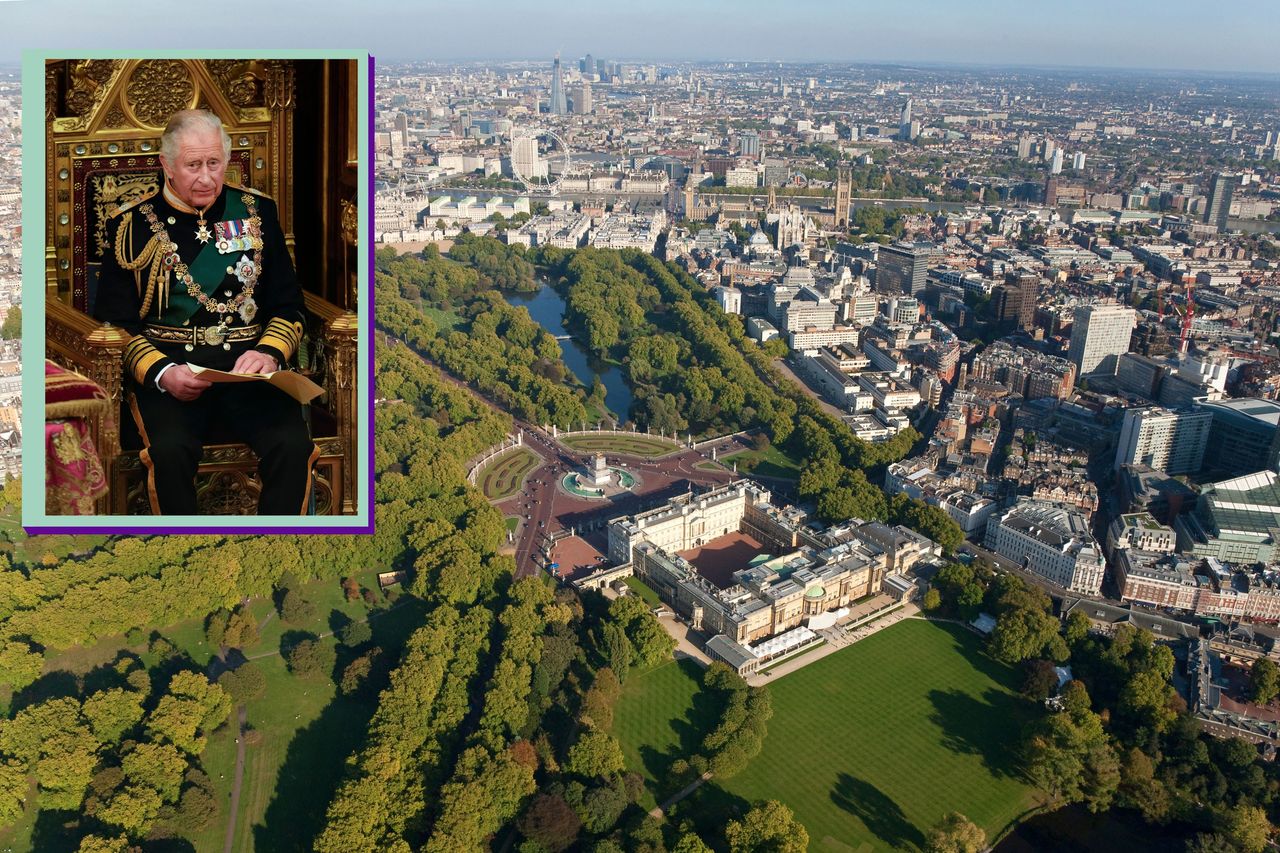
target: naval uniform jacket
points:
(152, 241)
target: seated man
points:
(199, 273)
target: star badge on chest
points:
(203, 234)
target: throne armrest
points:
(338, 335)
(77, 341)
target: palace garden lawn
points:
(869, 746)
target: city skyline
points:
(1142, 35)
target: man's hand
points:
(252, 361)
(182, 383)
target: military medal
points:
(246, 270)
(203, 234)
(237, 235)
(166, 262)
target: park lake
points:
(547, 309)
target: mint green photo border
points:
(34, 516)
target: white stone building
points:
(1051, 540)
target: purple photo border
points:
(250, 529)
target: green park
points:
(644, 446)
(298, 727)
(869, 746)
(767, 462)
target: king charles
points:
(198, 273)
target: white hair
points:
(191, 121)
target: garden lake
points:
(547, 308)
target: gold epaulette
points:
(118, 209)
(258, 193)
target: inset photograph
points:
(205, 322)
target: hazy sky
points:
(1230, 35)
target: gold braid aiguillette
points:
(153, 253)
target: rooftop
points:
(1267, 411)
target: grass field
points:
(658, 719)
(870, 746)
(647, 447)
(446, 321)
(502, 477)
(643, 590)
(770, 462)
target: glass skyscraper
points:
(559, 105)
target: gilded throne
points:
(103, 124)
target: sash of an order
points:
(208, 268)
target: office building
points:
(749, 144)
(1220, 199)
(1172, 442)
(776, 172)
(582, 99)
(525, 160)
(1235, 521)
(559, 105)
(904, 124)
(1099, 335)
(1051, 540)
(1014, 300)
(901, 268)
(1141, 532)
(1245, 435)
(1051, 191)
(1138, 374)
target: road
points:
(242, 716)
(785, 370)
(661, 810)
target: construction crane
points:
(1185, 339)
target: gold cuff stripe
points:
(137, 348)
(277, 343)
(285, 329)
(146, 363)
(140, 356)
(283, 336)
